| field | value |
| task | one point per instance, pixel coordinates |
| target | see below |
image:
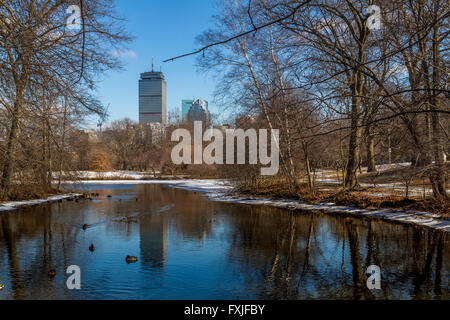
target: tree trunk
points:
(12, 141)
(371, 164)
(63, 144)
(437, 176)
(357, 90)
(44, 163)
(49, 165)
(308, 166)
(351, 179)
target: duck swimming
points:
(85, 226)
(52, 273)
(130, 259)
(91, 248)
(1, 287)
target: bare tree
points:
(38, 51)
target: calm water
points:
(189, 248)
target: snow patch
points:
(105, 175)
(15, 205)
(219, 190)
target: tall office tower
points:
(199, 112)
(152, 98)
(186, 106)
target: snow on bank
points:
(199, 185)
(424, 219)
(133, 175)
(12, 206)
(219, 190)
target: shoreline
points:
(17, 205)
(219, 191)
(406, 217)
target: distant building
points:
(158, 132)
(186, 106)
(152, 98)
(151, 133)
(199, 112)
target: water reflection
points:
(189, 248)
(153, 241)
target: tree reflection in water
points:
(201, 249)
(304, 256)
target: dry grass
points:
(20, 192)
(418, 177)
(362, 200)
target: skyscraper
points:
(152, 98)
(186, 106)
(199, 112)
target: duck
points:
(52, 273)
(85, 226)
(91, 248)
(1, 287)
(130, 259)
(109, 196)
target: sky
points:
(162, 29)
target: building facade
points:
(152, 98)
(199, 112)
(186, 106)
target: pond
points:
(190, 248)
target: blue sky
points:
(163, 29)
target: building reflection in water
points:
(153, 241)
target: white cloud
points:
(130, 54)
